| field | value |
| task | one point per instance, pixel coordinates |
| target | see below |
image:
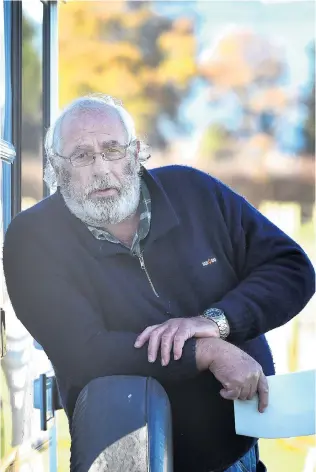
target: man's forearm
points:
(276, 277)
(121, 357)
(268, 298)
(205, 351)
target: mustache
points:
(101, 184)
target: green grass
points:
(279, 458)
(5, 419)
(63, 442)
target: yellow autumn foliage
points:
(241, 57)
(142, 58)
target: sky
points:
(292, 24)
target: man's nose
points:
(101, 163)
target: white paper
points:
(291, 410)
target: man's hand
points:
(240, 375)
(175, 332)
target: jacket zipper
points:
(142, 264)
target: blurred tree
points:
(31, 89)
(215, 140)
(250, 67)
(31, 131)
(125, 50)
(242, 58)
(31, 71)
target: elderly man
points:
(165, 273)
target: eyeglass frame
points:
(103, 155)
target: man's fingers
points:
(166, 344)
(252, 391)
(144, 336)
(230, 394)
(263, 392)
(166, 336)
(245, 392)
(179, 339)
(154, 343)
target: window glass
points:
(32, 168)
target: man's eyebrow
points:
(89, 148)
(81, 147)
(110, 143)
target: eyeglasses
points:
(113, 152)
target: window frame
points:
(49, 71)
(16, 103)
(8, 153)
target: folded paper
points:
(291, 410)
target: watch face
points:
(218, 316)
(215, 312)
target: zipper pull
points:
(141, 260)
(143, 266)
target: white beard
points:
(102, 211)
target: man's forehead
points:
(84, 125)
(92, 121)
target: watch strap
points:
(218, 316)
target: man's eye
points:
(113, 150)
(81, 157)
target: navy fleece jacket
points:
(85, 300)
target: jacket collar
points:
(163, 219)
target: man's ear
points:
(56, 169)
(137, 152)
(58, 172)
(137, 147)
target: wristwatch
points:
(218, 316)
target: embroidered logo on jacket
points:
(209, 262)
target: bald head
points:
(91, 130)
(83, 115)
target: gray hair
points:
(53, 137)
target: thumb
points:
(230, 394)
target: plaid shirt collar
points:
(144, 223)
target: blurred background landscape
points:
(225, 86)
